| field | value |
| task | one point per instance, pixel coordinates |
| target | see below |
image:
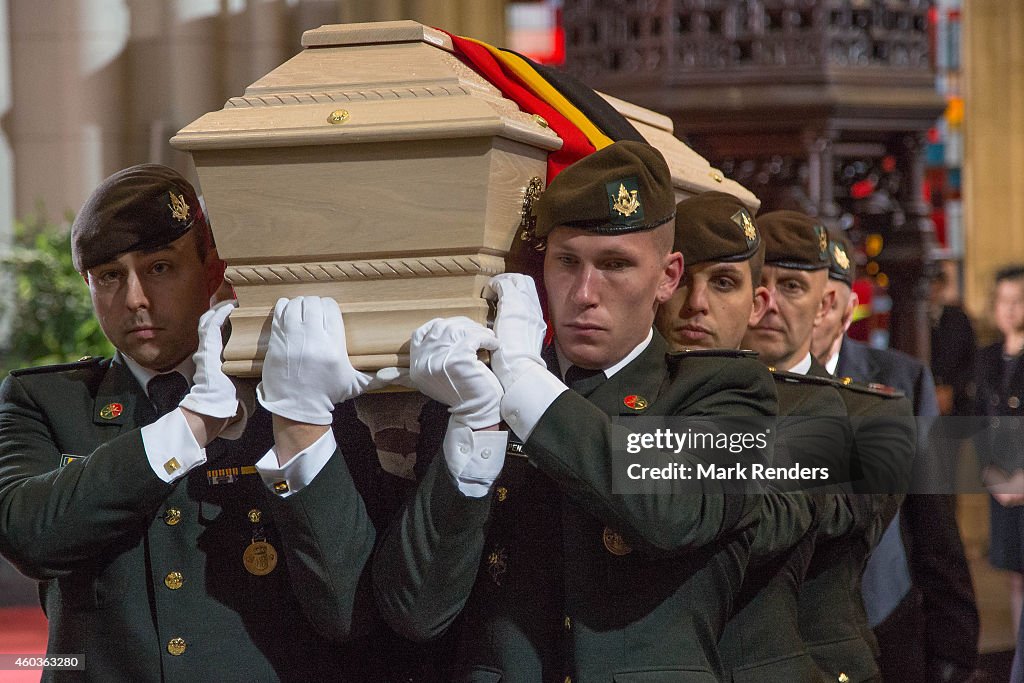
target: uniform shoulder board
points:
(797, 378)
(873, 388)
(84, 362)
(713, 353)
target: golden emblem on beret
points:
(178, 207)
(615, 543)
(626, 202)
(842, 260)
(742, 219)
(111, 410)
(822, 239)
(259, 558)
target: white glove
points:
(213, 393)
(520, 328)
(307, 370)
(443, 365)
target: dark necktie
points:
(576, 378)
(166, 391)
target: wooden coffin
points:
(376, 168)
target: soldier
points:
(720, 293)
(161, 552)
(576, 582)
(831, 612)
(718, 297)
(917, 587)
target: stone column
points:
(67, 77)
(993, 183)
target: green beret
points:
(794, 240)
(141, 208)
(624, 187)
(841, 265)
(715, 226)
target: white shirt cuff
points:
(529, 397)
(474, 458)
(299, 472)
(171, 447)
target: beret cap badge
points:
(840, 256)
(742, 219)
(178, 207)
(624, 200)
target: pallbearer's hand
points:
(519, 326)
(213, 394)
(444, 365)
(307, 369)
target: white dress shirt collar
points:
(564, 364)
(186, 367)
(803, 366)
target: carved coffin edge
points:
(531, 133)
(283, 97)
(378, 269)
(376, 32)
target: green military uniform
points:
(198, 579)
(832, 618)
(762, 639)
(147, 579)
(576, 581)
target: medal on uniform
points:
(260, 557)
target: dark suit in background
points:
(954, 348)
(929, 621)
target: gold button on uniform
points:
(615, 543)
(255, 516)
(174, 580)
(172, 516)
(1013, 402)
(843, 678)
(176, 646)
(568, 624)
(502, 493)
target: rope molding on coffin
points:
(367, 95)
(383, 269)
